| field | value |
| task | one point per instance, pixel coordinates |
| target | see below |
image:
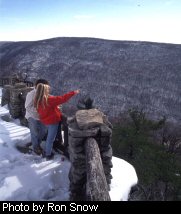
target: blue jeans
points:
(37, 131)
(52, 132)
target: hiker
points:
(50, 114)
(37, 129)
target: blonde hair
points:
(41, 96)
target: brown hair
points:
(43, 81)
(41, 96)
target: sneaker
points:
(50, 157)
(38, 151)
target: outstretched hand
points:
(77, 91)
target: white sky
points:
(28, 177)
(138, 20)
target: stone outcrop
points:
(87, 119)
(14, 96)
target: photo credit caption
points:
(50, 207)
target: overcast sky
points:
(138, 20)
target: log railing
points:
(96, 185)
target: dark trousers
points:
(61, 143)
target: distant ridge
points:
(117, 74)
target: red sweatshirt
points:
(51, 114)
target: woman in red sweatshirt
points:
(49, 112)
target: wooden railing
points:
(12, 81)
(4, 81)
(96, 185)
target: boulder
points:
(87, 119)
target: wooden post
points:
(96, 186)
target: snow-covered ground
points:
(28, 177)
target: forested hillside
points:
(118, 75)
